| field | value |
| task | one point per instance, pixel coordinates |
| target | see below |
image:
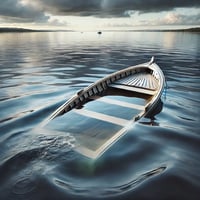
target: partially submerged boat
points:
(101, 113)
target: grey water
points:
(158, 158)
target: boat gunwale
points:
(103, 83)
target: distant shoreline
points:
(23, 30)
(197, 29)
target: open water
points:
(156, 159)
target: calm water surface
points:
(156, 159)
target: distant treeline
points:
(4, 30)
(22, 30)
(197, 29)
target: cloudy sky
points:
(100, 14)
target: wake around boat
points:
(101, 113)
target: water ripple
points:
(158, 158)
(110, 191)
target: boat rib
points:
(102, 117)
(120, 103)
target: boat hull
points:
(101, 113)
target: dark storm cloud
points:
(117, 8)
(34, 10)
(72, 7)
(15, 11)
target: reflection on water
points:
(158, 157)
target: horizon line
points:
(19, 29)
